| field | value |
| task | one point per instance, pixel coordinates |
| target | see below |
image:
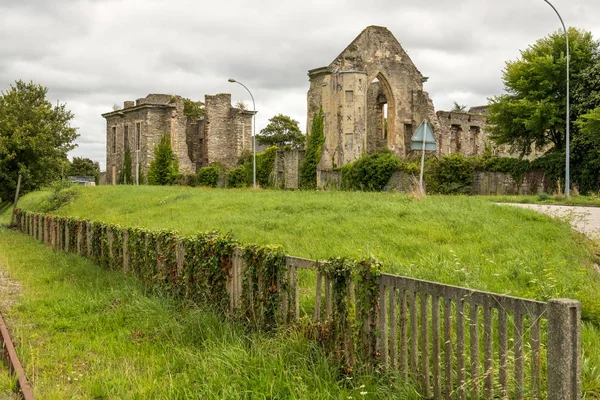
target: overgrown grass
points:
(458, 240)
(84, 332)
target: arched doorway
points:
(380, 114)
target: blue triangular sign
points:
(424, 130)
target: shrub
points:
(209, 176)
(370, 172)
(450, 174)
(126, 177)
(265, 162)
(308, 171)
(164, 169)
(238, 177)
(62, 193)
(513, 166)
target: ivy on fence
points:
(263, 283)
(200, 269)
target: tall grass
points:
(84, 332)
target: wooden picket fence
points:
(451, 342)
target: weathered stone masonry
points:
(372, 98)
(220, 136)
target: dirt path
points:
(583, 219)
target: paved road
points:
(583, 219)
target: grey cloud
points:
(93, 54)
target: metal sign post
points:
(423, 139)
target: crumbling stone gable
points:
(371, 77)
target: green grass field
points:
(458, 240)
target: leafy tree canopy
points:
(281, 131)
(84, 167)
(35, 137)
(534, 107)
(193, 109)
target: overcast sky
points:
(92, 54)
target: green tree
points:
(458, 107)
(164, 169)
(281, 131)
(35, 137)
(126, 176)
(308, 170)
(81, 166)
(533, 109)
(193, 109)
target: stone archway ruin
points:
(371, 76)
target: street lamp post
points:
(253, 131)
(568, 118)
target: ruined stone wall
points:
(178, 129)
(241, 123)
(286, 170)
(194, 136)
(228, 130)
(151, 128)
(463, 133)
(498, 183)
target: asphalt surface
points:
(583, 219)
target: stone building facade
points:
(221, 135)
(372, 97)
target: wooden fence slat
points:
(414, 332)
(474, 348)
(383, 328)
(488, 353)
(393, 328)
(403, 335)
(503, 353)
(460, 350)
(317, 310)
(435, 327)
(519, 361)
(424, 310)
(448, 365)
(536, 360)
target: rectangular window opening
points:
(349, 96)
(114, 139)
(125, 137)
(138, 134)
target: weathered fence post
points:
(67, 237)
(126, 250)
(564, 349)
(12, 215)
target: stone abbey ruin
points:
(371, 95)
(221, 135)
